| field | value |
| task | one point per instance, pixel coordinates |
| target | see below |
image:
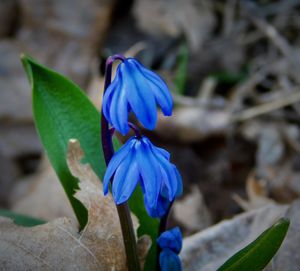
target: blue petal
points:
(179, 183)
(158, 88)
(170, 178)
(106, 103)
(125, 179)
(118, 109)
(161, 208)
(171, 239)
(118, 157)
(164, 192)
(169, 261)
(163, 152)
(114, 88)
(149, 171)
(139, 96)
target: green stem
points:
(128, 237)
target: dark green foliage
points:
(258, 254)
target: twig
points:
(271, 32)
(247, 86)
(266, 108)
(228, 18)
(280, 7)
(216, 103)
(207, 88)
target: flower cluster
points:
(138, 89)
(170, 242)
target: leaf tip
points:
(26, 59)
(283, 220)
(283, 223)
(27, 62)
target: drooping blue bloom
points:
(171, 239)
(171, 243)
(160, 209)
(139, 161)
(169, 261)
(137, 89)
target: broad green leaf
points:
(62, 111)
(22, 220)
(258, 254)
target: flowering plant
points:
(138, 89)
(142, 178)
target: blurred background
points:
(232, 66)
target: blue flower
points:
(171, 243)
(139, 161)
(169, 261)
(136, 89)
(160, 209)
(171, 239)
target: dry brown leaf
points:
(193, 123)
(192, 18)
(103, 221)
(143, 246)
(207, 250)
(192, 212)
(256, 192)
(58, 245)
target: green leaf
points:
(181, 71)
(258, 254)
(62, 111)
(21, 220)
(226, 77)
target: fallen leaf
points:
(58, 245)
(143, 245)
(209, 249)
(192, 18)
(192, 212)
(256, 192)
(189, 124)
(103, 221)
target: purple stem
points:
(106, 137)
(123, 209)
(135, 129)
(163, 225)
